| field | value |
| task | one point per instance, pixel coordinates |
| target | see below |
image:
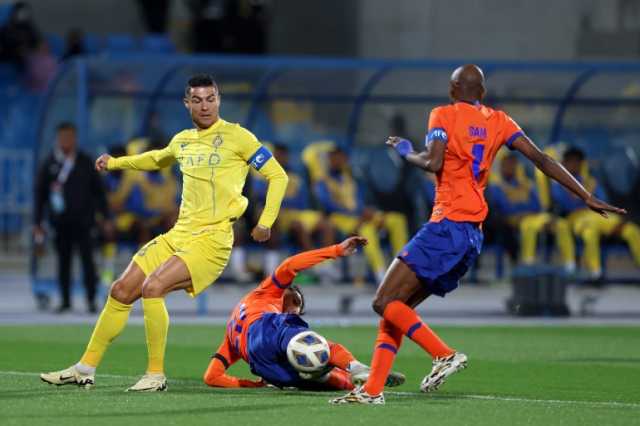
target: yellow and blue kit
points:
(590, 226)
(214, 163)
(342, 198)
(296, 206)
(519, 202)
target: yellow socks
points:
(156, 326)
(110, 324)
(372, 251)
(631, 234)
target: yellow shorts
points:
(205, 253)
(309, 219)
(346, 224)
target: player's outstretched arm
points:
(550, 167)
(216, 376)
(286, 272)
(277, 186)
(147, 161)
(429, 160)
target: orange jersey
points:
(267, 297)
(473, 134)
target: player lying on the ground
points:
(462, 141)
(266, 331)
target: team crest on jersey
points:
(217, 141)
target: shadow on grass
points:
(189, 411)
(51, 391)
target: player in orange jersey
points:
(268, 318)
(461, 143)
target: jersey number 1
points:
(478, 152)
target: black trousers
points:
(68, 238)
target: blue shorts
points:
(441, 253)
(267, 342)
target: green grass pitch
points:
(516, 376)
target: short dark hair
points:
(65, 125)
(573, 153)
(200, 80)
(301, 294)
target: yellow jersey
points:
(214, 163)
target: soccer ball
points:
(308, 352)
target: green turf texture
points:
(516, 376)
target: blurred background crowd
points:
(74, 86)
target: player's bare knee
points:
(379, 304)
(122, 292)
(152, 287)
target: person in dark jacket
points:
(69, 191)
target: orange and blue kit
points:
(446, 246)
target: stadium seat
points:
(5, 12)
(120, 43)
(157, 43)
(93, 43)
(9, 76)
(56, 44)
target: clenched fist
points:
(101, 162)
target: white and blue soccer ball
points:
(308, 352)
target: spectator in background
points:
(341, 197)
(41, 67)
(514, 197)
(19, 36)
(394, 186)
(586, 224)
(296, 219)
(126, 202)
(73, 44)
(70, 192)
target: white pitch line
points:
(457, 396)
(532, 400)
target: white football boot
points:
(443, 368)
(359, 396)
(69, 376)
(150, 383)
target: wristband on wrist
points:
(403, 148)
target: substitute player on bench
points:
(268, 318)
(214, 159)
(461, 142)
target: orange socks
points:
(406, 320)
(339, 380)
(386, 346)
(340, 356)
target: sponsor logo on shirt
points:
(217, 141)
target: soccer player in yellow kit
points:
(214, 159)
